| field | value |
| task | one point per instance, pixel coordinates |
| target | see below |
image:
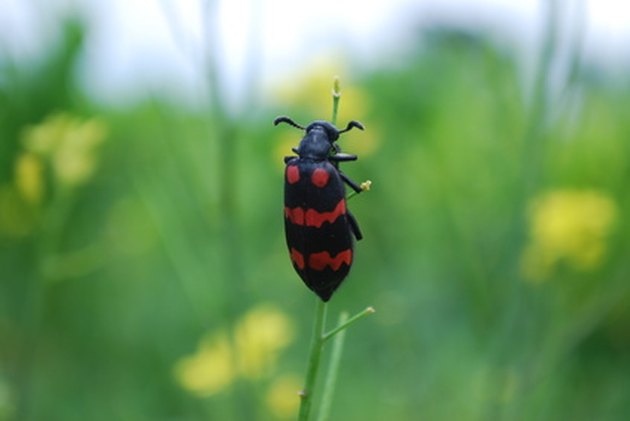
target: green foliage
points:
(153, 283)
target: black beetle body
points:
(318, 226)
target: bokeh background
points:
(143, 270)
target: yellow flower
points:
(282, 398)
(570, 226)
(366, 185)
(29, 178)
(210, 369)
(258, 338)
(69, 143)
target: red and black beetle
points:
(318, 226)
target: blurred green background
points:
(144, 275)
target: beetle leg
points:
(343, 157)
(289, 158)
(354, 226)
(351, 183)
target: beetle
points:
(319, 229)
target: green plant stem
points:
(306, 395)
(333, 369)
(317, 343)
(344, 325)
(336, 94)
(319, 337)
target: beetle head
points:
(318, 143)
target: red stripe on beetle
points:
(293, 174)
(319, 261)
(312, 218)
(295, 215)
(320, 177)
(297, 258)
(317, 219)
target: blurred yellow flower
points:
(29, 178)
(69, 144)
(258, 338)
(570, 226)
(282, 398)
(210, 369)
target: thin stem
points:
(336, 94)
(347, 323)
(333, 369)
(306, 394)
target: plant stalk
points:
(347, 322)
(333, 369)
(306, 394)
(336, 94)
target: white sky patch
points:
(140, 46)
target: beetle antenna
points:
(285, 119)
(351, 125)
